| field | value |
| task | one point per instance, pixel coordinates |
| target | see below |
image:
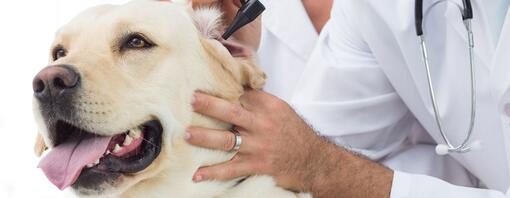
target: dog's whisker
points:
(150, 142)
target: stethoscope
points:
(467, 16)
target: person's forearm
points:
(345, 174)
(277, 142)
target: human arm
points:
(347, 94)
(277, 142)
(286, 148)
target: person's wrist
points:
(344, 173)
(323, 161)
(327, 169)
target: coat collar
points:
(501, 74)
(494, 63)
(495, 57)
(289, 22)
(484, 48)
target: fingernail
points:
(198, 178)
(187, 135)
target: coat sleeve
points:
(348, 98)
(344, 93)
(407, 185)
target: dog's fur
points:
(133, 86)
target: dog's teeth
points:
(90, 165)
(96, 162)
(116, 149)
(108, 152)
(135, 133)
(127, 140)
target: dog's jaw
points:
(179, 160)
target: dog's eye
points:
(58, 53)
(136, 42)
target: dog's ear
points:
(208, 21)
(39, 146)
(237, 60)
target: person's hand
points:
(248, 35)
(276, 141)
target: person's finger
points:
(222, 110)
(211, 138)
(251, 99)
(225, 171)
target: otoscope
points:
(249, 11)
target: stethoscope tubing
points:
(467, 15)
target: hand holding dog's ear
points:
(276, 141)
(248, 35)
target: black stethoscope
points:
(467, 16)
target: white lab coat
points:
(366, 88)
(288, 38)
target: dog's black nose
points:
(53, 81)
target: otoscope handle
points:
(248, 12)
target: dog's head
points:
(118, 90)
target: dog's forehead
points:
(135, 14)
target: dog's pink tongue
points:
(63, 164)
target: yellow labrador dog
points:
(113, 105)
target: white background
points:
(26, 31)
